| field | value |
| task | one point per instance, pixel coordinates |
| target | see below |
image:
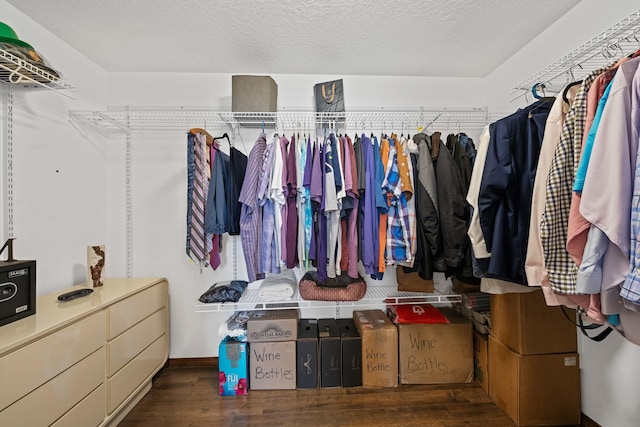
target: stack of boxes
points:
(435, 346)
(529, 364)
(534, 374)
(272, 338)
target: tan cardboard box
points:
(525, 324)
(436, 353)
(272, 365)
(481, 359)
(379, 348)
(535, 390)
(273, 325)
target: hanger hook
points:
(534, 90)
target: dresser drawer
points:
(128, 345)
(122, 384)
(47, 403)
(89, 412)
(126, 313)
(49, 356)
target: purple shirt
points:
(284, 142)
(290, 192)
(370, 217)
(250, 215)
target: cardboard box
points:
(330, 366)
(307, 354)
(535, 390)
(481, 359)
(253, 94)
(525, 324)
(351, 344)
(379, 348)
(232, 368)
(436, 353)
(272, 326)
(272, 365)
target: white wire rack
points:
(616, 41)
(24, 75)
(375, 295)
(137, 119)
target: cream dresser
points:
(85, 362)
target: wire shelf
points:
(180, 119)
(376, 295)
(22, 74)
(615, 42)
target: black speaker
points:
(17, 290)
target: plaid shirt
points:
(553, 225)
(398, 242)
(631, 287)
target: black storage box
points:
(307, 353)
(330, 370)
(351, 353)
(17, 290)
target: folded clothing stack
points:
(224, 292)
(278, 287)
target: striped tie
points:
(198, 245)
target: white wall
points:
(59, 178)
(610, 369)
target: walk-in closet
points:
(332, 213)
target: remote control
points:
(68, 296)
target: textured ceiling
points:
(468, 38)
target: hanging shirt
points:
(398, 244)
(331, 208)
(555, 216)
(607, 197)
(276, 195)
(370, 216)
(216, 207)
(306, 201)
(382, 203)
(578, 227)
(268, 252)
(588, 145)
(301, 155)
(631, 287)
(291, 191)
(352, 225)
(250, 213)
(238, 163)
(408, 148)
(214, 240)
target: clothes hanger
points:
(201, 131)
(225, 135)
(566, 90)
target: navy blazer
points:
(504, 200)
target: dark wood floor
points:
(188, 396)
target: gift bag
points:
(329, 97)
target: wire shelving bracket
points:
(616, 41)
(141, 119)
